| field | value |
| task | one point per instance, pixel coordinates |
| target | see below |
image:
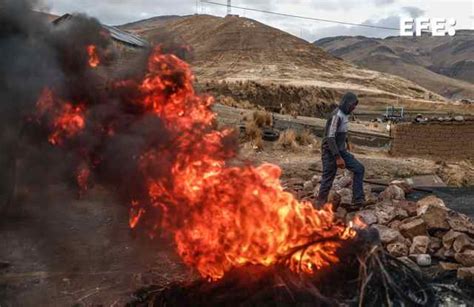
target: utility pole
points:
(229, 7)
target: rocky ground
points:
(422, 234)
(425, 234)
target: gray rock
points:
(405, 186)
(392, 192)
(462, 243)
(413, 228)
(367, 216)
(460, 222)
(423, 260)
(423, 204)
(408, 206)
(449, 238)
(395, 224)
(308, 186)
(388, 235)
(465, 258)
(436, 217)
(420, 245)
(387, 212)
(342, 182)
(346, 196)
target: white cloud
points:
(374, 12)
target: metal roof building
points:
(116, 34)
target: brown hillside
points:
(243, 44)
(248, 60)
(444, 65)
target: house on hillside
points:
(121, 38)
(126, 45)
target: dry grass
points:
(253, 128)
(231, 102)
(262, 119)
(252, 131)
(305, 138)
(253, 135)
(258, 144)
(292, 140)
(287, 140)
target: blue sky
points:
(375, 12)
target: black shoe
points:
(356, 206)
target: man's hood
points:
(347, 102)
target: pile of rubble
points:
(422, 234)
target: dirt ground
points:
(378, 164)
(56, 250)
(77, 253)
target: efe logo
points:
(437, 26)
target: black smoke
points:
(36, 54)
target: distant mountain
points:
(444, 65)
(238, 49)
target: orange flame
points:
(224, 217)
(94, 60)
(68, 119)
(221, 216)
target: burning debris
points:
(151, 139)
(366, 276)
(386, 264)
(155, 130)
(221, 216)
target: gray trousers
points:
(329, 173)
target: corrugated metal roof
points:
(115, 33)
(126, 37)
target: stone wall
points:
(446, 140)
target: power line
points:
(303, 17)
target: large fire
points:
(221, 216)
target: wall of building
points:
(445, 140)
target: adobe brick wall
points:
(446, 140)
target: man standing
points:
(334, 153)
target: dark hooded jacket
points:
(335, 134)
